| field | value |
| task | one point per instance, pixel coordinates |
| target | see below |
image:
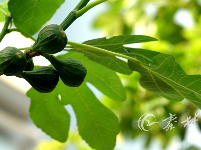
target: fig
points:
(30, 65)
(51, 39)
(12, 61)
(71, 71)
(43, 79)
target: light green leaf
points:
(48, 113)
(97, 125)
(162, 75)
(3, 10)
(30, 15)
(115, 44)
(101, 77)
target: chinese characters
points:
(170, 120)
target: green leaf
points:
(101, 77)
(115, 44)
(48, 113)
(3, 10)
(162, 75)
(97, 125)
(30, 15)
(106, 60)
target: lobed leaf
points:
(162, 75)
(48, 113)
(97, 125)
(30, 15)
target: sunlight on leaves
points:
(3, 10)
(29, 16)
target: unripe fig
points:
(51, 39)
(12, 61)
(71, 71)
(30, 65)
(43, 79)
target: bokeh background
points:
(177, 26)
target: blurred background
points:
(177, 26)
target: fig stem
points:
(81, 4)
(88, 7)
(68, 47)
(24, 48)
(71, 16)
(92, 48)
(32, 54)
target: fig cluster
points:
(51, 39)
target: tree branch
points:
(71, 16)
(88, 7)
(5, 29)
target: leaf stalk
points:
(89, 47)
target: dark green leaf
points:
(30, 15)
(97, 125)
(101, 77)
(48, 113)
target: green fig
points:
(51, 39)
(43, 79)
(30, 65)
(71, 71)
(12, 61)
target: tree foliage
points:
(162, 72)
